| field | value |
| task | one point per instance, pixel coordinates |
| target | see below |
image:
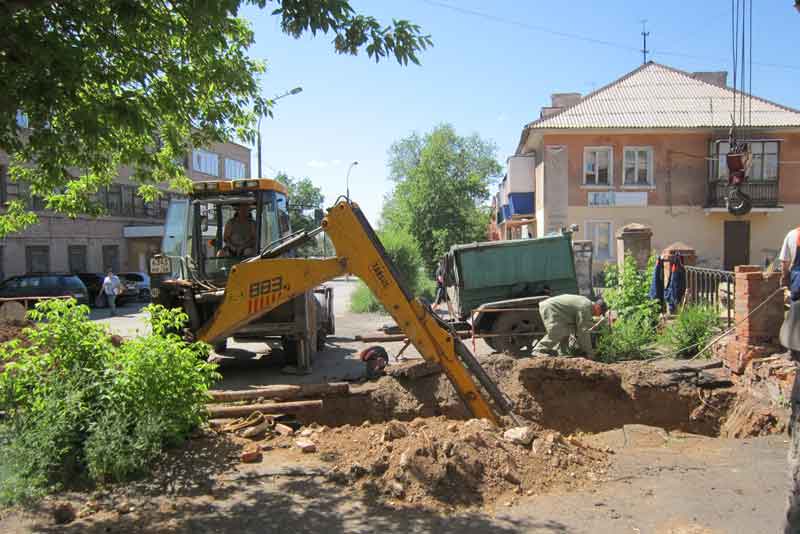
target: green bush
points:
(79, 408)
(403, 251)
(362, 300)
(628, 295)
(628, 290)
(630, 338)
(692, 329)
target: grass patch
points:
(362, 300)
(693, 328)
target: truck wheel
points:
(511, 329)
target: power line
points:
(584, 38)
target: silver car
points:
(141, 281)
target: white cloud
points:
(323, 164)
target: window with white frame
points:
(637, 166)
(597, 166)
(763, 165)
(234, 169)
(599, 233)
(205, 162)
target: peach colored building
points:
(650, 148)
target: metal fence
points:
(712, 287)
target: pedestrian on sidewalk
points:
(790, 338)
(568, 315)
(111, 288)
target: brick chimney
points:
(559, 101)
(719, 78)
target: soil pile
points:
(452, 464)
(10, 331)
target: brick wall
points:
(757, 328)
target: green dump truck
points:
(498, 285)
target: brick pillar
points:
(634, 239)
(755, 335)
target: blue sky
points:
(487, 74)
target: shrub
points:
(80, 408)
(692, 329)
(628, 290)
(630, 338)
(403, 251)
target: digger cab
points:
(222, 223)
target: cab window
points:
(283, 214)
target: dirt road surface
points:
(657, 482)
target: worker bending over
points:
(565, 316)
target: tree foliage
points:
(442, 182)
(304, 198)
(111, 83)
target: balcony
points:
(764, 194)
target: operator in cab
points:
(239, 234)
(565, 316)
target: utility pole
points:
(644, 41)
(258, 134)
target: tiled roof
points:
(656, 96)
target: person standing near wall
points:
(111, 288)
(790, 338)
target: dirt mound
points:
(452, 464)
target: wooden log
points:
(282, 392)
(244, 410)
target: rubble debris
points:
(283, 430)
(521, 435)
(393, 430)
(63, 513)
(305, 445)
(251, 453)
(259, 430)
(439, 462)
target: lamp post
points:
(350, 168)
(258, 135)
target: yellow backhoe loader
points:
(269, 279)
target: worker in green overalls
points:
(565, 316)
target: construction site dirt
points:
(663, 446)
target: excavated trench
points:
(570, 396)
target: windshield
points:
(175, 228)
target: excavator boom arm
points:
(256, 287)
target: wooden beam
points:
(282, 392)
(244, 410)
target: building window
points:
(2, 263)
(597, 166)
(139, 207)
(205, 162)
(22, 119)
(599, 233)
(763, 166)
(37, 259)
(234, 170)
(638, 165)
(77, 258)
(111, 258)
(115, 199)
(128, 196)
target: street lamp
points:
(258, 135)
(350, 168)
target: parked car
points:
(94, 283)
(30, 286)
(141, 280)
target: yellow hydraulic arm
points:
(262, 283)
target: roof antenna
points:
(645, 51)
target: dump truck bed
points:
(479, 273)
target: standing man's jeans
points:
(112, 303)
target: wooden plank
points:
(282, 392)
(244, 410)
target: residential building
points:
(123, 239)
(513, 204)
(650, 148)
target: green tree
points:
(107, 83)
(304, 198)
(442, 182)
